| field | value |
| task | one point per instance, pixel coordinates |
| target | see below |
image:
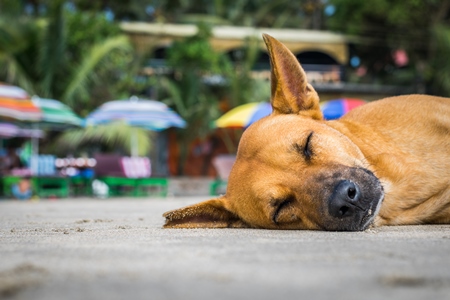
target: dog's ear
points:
(291, 93)
(208, 214)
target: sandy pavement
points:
(116, 249)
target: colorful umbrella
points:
(149, 114)
(335, 109)
(55, 114)
(8, 130)
(244, 115)
(16, 104)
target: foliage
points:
(112, 136)
(240, 86)
(381, 26)
(13, 7)
(16, 50)
(65, 56)
(80, 58)
(259, 13)
(130, 10)
(192, 59)
(194, 52)
(201, 79)
(440, 63)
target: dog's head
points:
(292, 170)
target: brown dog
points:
(384, 163)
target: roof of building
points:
(226, 38)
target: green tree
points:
(80, 58)
(192, 60)
(110, 137)
(259, 13)
(201, 79)
(240, 86)
(381, 26)
(440, 64)
(130, 10)
(65, 56)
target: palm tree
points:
(195, 105)
(241, 87)
(111, 136)
(15, 40)
(46, 56)
(191, 60)
(70, 56)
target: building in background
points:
(324, 55)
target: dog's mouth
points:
(371, 213)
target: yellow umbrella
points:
(244, 115)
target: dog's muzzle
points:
(351, 209)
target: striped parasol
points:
(336, 108)
(55, 114)
(8, 130)
(244, 115)
(15, 104)
(149, 114)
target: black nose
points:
(344, 201)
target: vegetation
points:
(191, 60)
(74, 51)
(67, 56)
(111, 137)
(382, 26)
(259, 13)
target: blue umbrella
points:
(334, 109)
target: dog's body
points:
(384, 163)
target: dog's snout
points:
(343, 202)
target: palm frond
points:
(13, 41)
(113, 135)
(91, 60)
(52, 52)
(175, 96)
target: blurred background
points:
(202, 58)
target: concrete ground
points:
(116, 249)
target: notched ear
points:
(207, 214)
(290, 91)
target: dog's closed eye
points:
(279, 205)
(306, 149)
